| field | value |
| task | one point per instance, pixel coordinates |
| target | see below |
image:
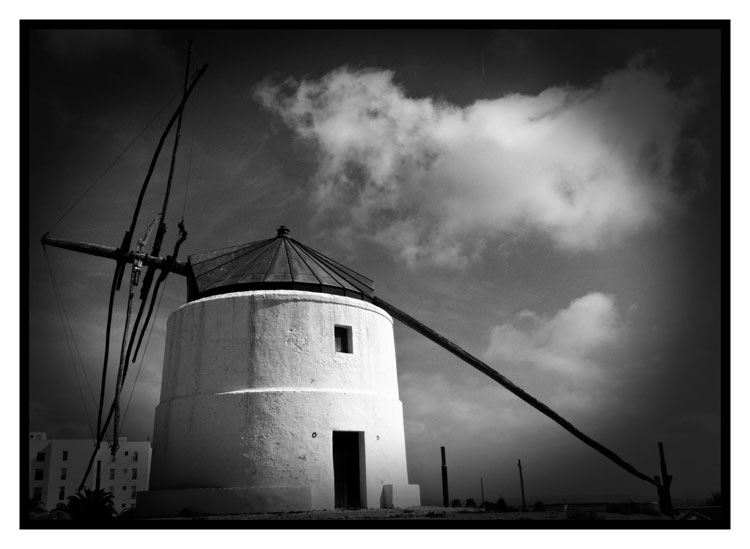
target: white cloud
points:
(566, 353)
(581, 166)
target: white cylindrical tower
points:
(277, 400)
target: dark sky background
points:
(547, 199)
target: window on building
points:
(135, 456)
(343, 337)
(40, 456)
(132, 492)
(126, 453)
(135, 473)
(38, 474)
(123, 506)
(111, 474)
(124, 471)
(37, 494)
(61, 494)
(111, 490)
(63, 473)
(124, 487)
(65, 455)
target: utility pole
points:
(481, 483)
(446, 502)
(665, 498)
(523, 494)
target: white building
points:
(279, 390)
(56, 468)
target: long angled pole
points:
(162, 229)
(123, 352)
(124, 249)
(473, 361)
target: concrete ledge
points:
(401, 495)
(223, 501)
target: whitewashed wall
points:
(253, 389)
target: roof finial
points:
(282, 231)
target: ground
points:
(431, 513)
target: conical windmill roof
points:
(279, 263)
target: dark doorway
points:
(346, 469)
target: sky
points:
(548, 199)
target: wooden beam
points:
(473, 361)
(98, 250)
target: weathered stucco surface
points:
(252, 391)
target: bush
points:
(127, 514)
(89, 505)
(582, 513)
(34, 508)
(539, 506)
(456, 503)
(60, 512)
(471, 503)
(714, 500)
(501, 505)
(489, 506)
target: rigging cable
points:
(67, 329)
(70, 330)
(117, 158)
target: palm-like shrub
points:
(91, 505)
(34, 507)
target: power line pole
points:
(665, 498)
(444, 469)
(523, 494)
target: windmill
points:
(241, 270)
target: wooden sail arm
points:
(163, 263)
(445, 343)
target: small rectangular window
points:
(135, 474)
(61, 494)
(124, 471)
(40, 457)
(37, 493)
(343, 338)
(111, 474)
(135, 456)
(126, 453)
(132, 492)
(63, 473)
(124, 487)
(65, 455)
(38, 474)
